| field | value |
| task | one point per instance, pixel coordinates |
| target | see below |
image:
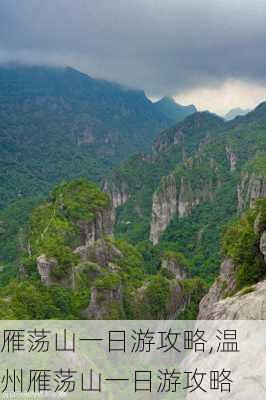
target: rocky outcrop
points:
(187, 200)
(250, 188)
(105, 303)
(165, 141)
(248, 304)
(224, 284)
(177, 301)
(174, 266)
(93, 247)
(263, 244)
(118, 193)
(45, 267)
(101, 252)
(164, 207)
(175, 197)
(102, 225)
(48, 273)
(232, 158)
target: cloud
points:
(163, 46)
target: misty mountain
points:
(172, 110)
(58, 123)
(235, 112)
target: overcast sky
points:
(209, 52)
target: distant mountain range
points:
(235, 112)
(172, 110)
(58, 123)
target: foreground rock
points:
(248, 304)
(224, 283)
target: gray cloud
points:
(162, 46)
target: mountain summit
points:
(235, 112)
(172, 110)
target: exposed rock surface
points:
(102, 252)
(164, 207)
(103, 301)
(172, 265)
(92, 248)
(224, 283)
(263, 244)
(243, 306)
(232, 158)
(164, 142)
(177, 301)
(248, 303)
(175, 197)
(119, 193)
(102, 225)
(45, 267)
(250, 188)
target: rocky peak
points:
(118, 193)
(101, 225)
(251, 187)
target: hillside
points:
(172, 110)
(58, 123)
(202, 173)
(73, 267)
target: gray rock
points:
(119, 193)
(164, 207)
(232, 158)
(248, 304)
(45, 266)
(101, 252)
(103, 302)
(223, 285)
(175, 197)
(102, 225)
(172, 265)
(263, 244)
(250, 188)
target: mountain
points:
(58, 123)
(172, 110)
(149, 244)
(235, 112)
(151, 240)
(74, 267)
(203, 172)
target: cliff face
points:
(102, 225)
(251, 187)
(222, 301)
(243, 306)
(118, 193)
(164, 207)
(92, 248)
(176, 196)
(224, 283)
